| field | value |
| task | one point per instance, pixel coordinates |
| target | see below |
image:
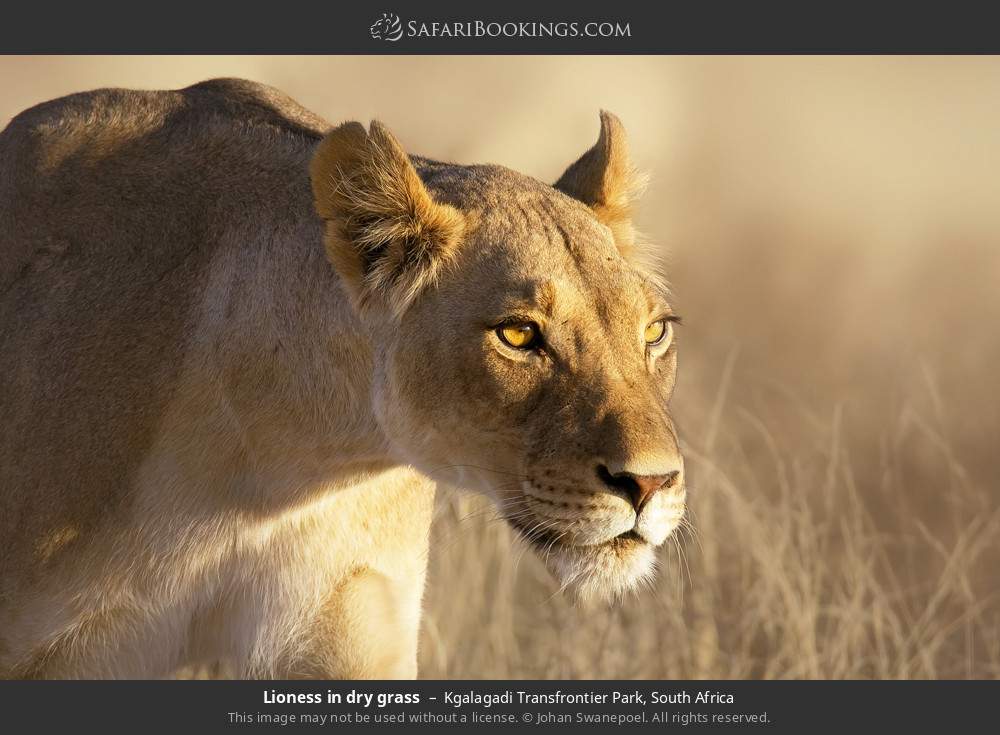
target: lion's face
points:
(537, 365)
(378, 27)
(386, 28)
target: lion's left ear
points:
(603, 178)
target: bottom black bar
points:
(499, 706)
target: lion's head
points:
(386, 28)
(522, 346)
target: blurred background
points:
(832, 227)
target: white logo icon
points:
(387, 28)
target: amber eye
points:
(522, 336)
(656, 331)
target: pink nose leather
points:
(639, 488)
(646, 486)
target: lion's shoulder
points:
(162, 130)
(207, 152)
(247, 109)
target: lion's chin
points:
(605, 571)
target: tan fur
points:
(370, 196)
(605, 179)
(220, 438)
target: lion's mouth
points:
(630, 535)
(605, 569)
(623, 542)
(547, 540)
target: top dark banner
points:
(449, 27)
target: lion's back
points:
(112, 204)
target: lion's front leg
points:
(367, 622)
(367, 629)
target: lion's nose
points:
(639, 488)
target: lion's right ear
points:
(603, 178)
(385, 235)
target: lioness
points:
(237, 348)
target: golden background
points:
(833, 229)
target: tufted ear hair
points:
(385, 235)
(603, 179)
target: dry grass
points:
(835, 250)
